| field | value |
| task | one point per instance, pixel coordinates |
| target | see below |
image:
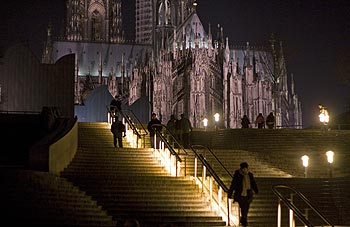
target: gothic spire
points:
(210, 42)
(46, 56)
(227, 51)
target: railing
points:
(19, 112)
(289, 126)
(340, 126)
(167, 152)
(214, 166)
(293, 209)
(170, 158)
(132, 120)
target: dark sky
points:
(315, 35)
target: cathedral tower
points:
(144, 21)
(94, 20)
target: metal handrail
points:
(212, 153)
(291, 206)
(216, 177)
(134, 118)
(19, 112)
(212, 172)
(166, 142)
(169, 147)
(130, 123)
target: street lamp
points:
(330, 158)
(305, 160)
(324, 116)
(216, 118)
(205, 123)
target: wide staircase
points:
(104, 186)
(130, 183)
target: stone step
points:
(42, 199)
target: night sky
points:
(315, 36)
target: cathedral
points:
(175, 63)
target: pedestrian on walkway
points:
(186, 129)
(260, 121)
(245, 121)
(115, 105)
(154, 120)
(171, 126)
(242, 187)
(270, 121)
(118, 130)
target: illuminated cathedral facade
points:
(178, 66)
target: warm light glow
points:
(305, 160)
(205, 122)
(216, 117)
(330, 155)
(324, 116)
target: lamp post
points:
(305, 160)
(324, 116)
(216, 118)
(205, 123)
(330, 158)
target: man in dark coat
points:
(260, 121)
(118, 130)
(186, 129)
(171, 126)
(115, 105)
(245, 122)
(242, 186)
(154, 120)
(270, 121)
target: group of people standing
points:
(259, 121)
(178, 129)
(181, 129)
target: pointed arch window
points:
(164, 13)
(96, 26)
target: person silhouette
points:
(118, 131)
(186, 129)
(171, 126)
(242, 188)
(245, 122)
(260, 121)
(270, 121)
(115, 105)
(154, 120)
